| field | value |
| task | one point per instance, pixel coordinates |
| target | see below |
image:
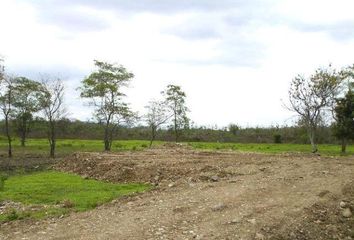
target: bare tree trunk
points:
(176, 130)
(23, 134)
(52, 138)
(312, 136)
(106, 138)
(153, 135)
(9, 140)
(344, 145)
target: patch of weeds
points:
(12, 215)
(66, 203)
(3, 177)
(144, 145)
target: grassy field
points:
(326, 149)
(51, 193)
(39, 147)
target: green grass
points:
(326, 149)
(35, 147)
(50, 188)
(40, 147)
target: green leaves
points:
(103, 89)
(108, 79)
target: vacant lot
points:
(209, 195)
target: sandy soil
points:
(209, 195)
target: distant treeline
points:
(68, 129)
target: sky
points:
(233, 58)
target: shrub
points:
(277, 138)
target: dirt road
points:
(209, 195)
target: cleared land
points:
(209, 195)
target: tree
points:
(233, 128)
(103, 89)
(344, 115)
(156, 116)
(344, 111)
(175, 100)
(29, 97)
(6, 106)
(311, 98)
(53, 108)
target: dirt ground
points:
(209, 195)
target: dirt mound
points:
(151, 166)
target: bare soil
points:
(208, 195)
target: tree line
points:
(317, 100)
(23, 99)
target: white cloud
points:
(234, 62)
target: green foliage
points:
(233, 128)
(309, 98)
(68, 190)
(103, 89)
(277, 138)
(29, 98)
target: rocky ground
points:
(209, 195)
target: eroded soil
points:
(209, 195)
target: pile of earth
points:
(156, 166)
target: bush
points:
(277, 138)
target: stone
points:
(215, 178)
(347, 213)
(342, 204)
(218, 207)
(253, 221)
(259, 236)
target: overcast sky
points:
(233, 58)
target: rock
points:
(235, 220)
(218, 207)
(342, 204)
(253, 221)
(259, 236)
(215, 178)
(346, 213)
(171, 185)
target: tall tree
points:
(29, 99)
(156, 116)
(103, 88)
(344, 115)
(311, 97)
(344, 110)
(6, 106)
(53, 108)
(176, 102)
